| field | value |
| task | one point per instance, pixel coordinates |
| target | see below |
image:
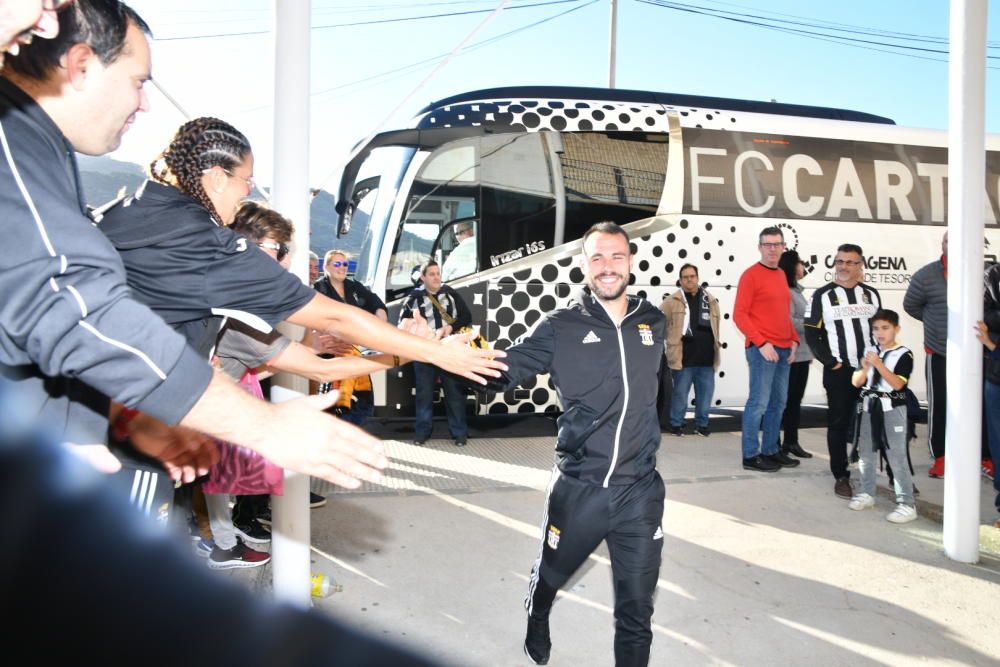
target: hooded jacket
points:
(606, 379)
(193, 272)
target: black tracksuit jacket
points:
(606, 378)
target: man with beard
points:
(604, 485)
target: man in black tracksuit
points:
(603, 352)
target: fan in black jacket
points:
(603, 352)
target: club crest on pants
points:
(553, 537)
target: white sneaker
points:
(902, 514)
(861, 501)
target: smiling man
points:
(838, 328)
(603, 352)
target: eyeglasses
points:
(281, 248)
(337, 264)
(845, 262)
(467, 230)
(246, 179)
(772, 246)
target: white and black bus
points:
(692, 179)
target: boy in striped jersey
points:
(838, 329)
(882, 379)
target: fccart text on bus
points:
(778, 176)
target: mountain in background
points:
(105, 179)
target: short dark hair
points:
(607, 227)
(851, 247)
(787, 263)
(770, 231)
(886, 315)
(688, 266)
(257, 221)
(429, 264)
(100, 24)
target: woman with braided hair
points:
(210, 161)
(184, 263)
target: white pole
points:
(612, 44)
(290, 196)
(966, 179)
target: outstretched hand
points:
(185, 453)
(417, 325)
(307, 440)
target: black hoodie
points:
(606, 377)
(193, 272)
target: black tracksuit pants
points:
(578, 516)
(936, 372)
(841, 403)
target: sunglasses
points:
(281, 248)
(337, 264)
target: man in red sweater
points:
(763, 314)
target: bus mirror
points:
(345, 220)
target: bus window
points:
(518, 205)
(413, 249)
(615, 176)
(459, 245)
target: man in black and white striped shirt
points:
(446, 313)
(838, 329)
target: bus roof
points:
(513, 93)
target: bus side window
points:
(615, 176)
(517, 193)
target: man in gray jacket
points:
(927, 300)
(70, 333)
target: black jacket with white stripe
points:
(71, 335)
(192, 272)
(606, 377)
(838, 323)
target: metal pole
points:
(613, 44)
(966, 182)
(290, 196)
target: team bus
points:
(692, 179)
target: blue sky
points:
(658, 49)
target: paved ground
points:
(758, 569)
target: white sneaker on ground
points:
(902, 514)
(861, 501)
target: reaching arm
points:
(300, 360)
(295, 434)
(356, 326)
(533, 355)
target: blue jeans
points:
(703, 378)
(362, 409)
(991, 408)
(454, 402)
(765, 401)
